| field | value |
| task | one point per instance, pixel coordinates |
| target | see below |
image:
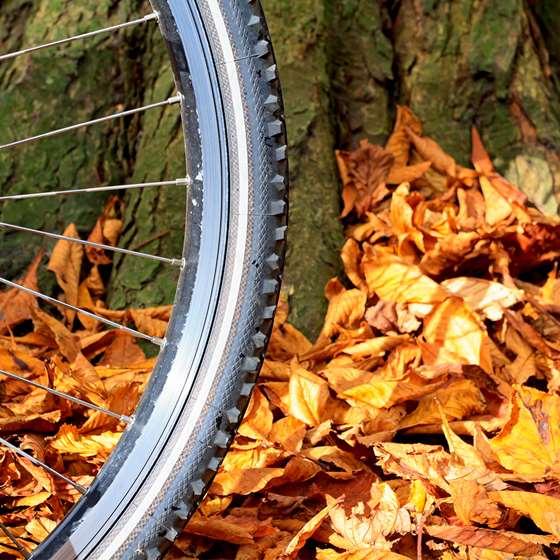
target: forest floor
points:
(423, 422)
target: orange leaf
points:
(257, 422)
(66, 263)
(309, 394)
(408, 174)
(243, 481)
(399, 141)
(431, 151)
(306, 532)
(346, 307)
(505, 541)
(529, 443)
(288, 432)
(543, 510)
(480, 158)
(454, 334)
(497, 206)
(393, 279)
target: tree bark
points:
(456, 64)
(74, 83)
(344, 64)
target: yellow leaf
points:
(309, 394)
(497, 207)
(346, 307)
(375, 347)
(395, 280)
(69, 441)
(457, 400)
(243, 481)
(543, 510)
(453, 333)
(529, 443)
(383, 393)
(360, 554)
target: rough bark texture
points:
(345, 64)
(77, 82)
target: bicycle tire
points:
(237, 210)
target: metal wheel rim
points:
(195, 302)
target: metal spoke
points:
(153, 339)
(176, 182)
(38, 463)
(28, 50)
(170, 101)
(121, 417)
(166, 260)
(17, 544)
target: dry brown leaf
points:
(257, 422)
(504, 541)
(243, 481)
(543, 510)
(407, 174)
(529, 443)
(399, 141)
(490, 298)
(306, 532)
(429, 150)
(369, 523)
(309, 394)
(453, 334)
(66, 263)
(16, 305)
(392, 279)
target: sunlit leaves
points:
(423, 375)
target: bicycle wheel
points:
(230, 272)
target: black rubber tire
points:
(238, 214)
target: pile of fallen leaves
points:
(425, 419)
(73, 353)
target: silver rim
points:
(195, 305)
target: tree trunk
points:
(345, 64)
(74, 83)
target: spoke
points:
(15, 54)
(166, 260)
(54, 301)
(17, 544)
(38, 463)
(121, 417)
(170, 101)
(176, 182)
